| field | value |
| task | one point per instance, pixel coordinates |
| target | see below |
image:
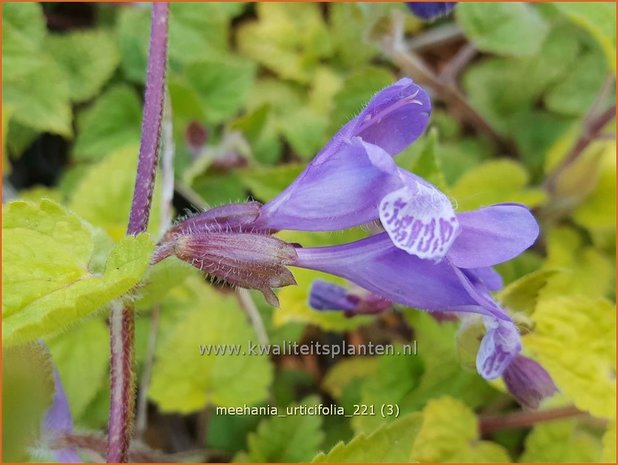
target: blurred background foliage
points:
(255, 90)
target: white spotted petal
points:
(420, 220)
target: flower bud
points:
(332, 297)
(528, 382)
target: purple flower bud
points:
(528, 382)
(431, 10)
(499, 347)
(332, 297)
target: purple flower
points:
(327, 296)
(58, 421)
(528, 382)
(431, 10)
(428, 256)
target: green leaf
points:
(265, 183)
(289, 439)
(449, 434)
(355, 92)
(82, 359)
(349, 23)
(609, 444)
(599, 19)
(574, 339)
(32, 82)
(222, 85)
(597, 211)
(185, 381)
(112, 122)
(526, 78)
(522, 295)
(6, 115)
(197, 32)
(347, 371)
(586, 270)
(27, 391)
(47, 280)
(305, 131)
(104, 194)
(161, 278)
(289, 39)
(514, 29)
(577, 91)
(414, 380)
(561, 442)
(294, 305)
(494, 182)
(391, 443)
(87, 58)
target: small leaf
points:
(574, 340)
(87, 58)
(560, 442)
(185, 381)
(291, 439)
(222, 85)
(289, 39)
(112, 122)
(514, 29)
(449, 434)
(391, 443)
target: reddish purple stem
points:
(122, 319)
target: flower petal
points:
(487, 276)
(499, 347)
(394, 118)
(431, 10)
(493, 235)
(419, 219)
(336, 192)
(378, 266)
(58, 421)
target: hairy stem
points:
(167, 176)
(122, 319)
(525, 419)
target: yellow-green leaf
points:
(48, 280)
(82, 359)
(389, 443)
(574, 339)
(609, 444)
(494, 182)
(561, 442)
(449, 433)
(185, 381)
(289, 439)
(104, 194)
